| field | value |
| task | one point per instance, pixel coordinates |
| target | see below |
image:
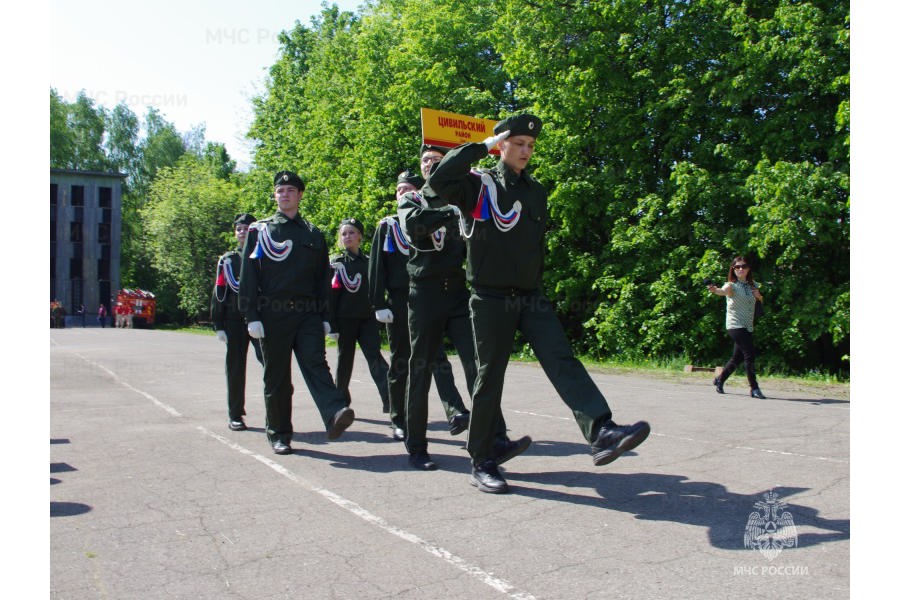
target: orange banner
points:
(441, 128)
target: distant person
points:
(101, 315)
(83, 312)
(505, 215)
(741, 294)
(284, 297)
(59, 314)
(229, 324)
(352, 315)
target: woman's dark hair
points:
(740, 259)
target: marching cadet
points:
(353, 317)
(389, 294)
(504, 213)
(229, 324)
(439, 306)
(284, 297)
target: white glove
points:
(255, 329)
(326, 326)
(492, 141)
(222, 336)
(384, 315)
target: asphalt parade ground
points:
(152, 496)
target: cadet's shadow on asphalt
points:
(397, 459)
(64, 509)
(659, 497)
(770, 397)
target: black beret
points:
(354, 223)
(523, 124)
(426, 147)
(408, 177)
(244, 219)
(289, 178)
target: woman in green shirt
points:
(741, 294)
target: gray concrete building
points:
(85, 238)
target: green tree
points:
(122, 135)
(186, 221)
(342, 106)
(87, 125)
(161, 147)
(659, 116)
(61, 138)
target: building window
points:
(105, 293)
(75, 268)
(54, 190)
(102, 269)
(77, 294)
(103, 233)
(77, 195)
(105, 197)
(76, 233)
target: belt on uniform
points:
(445, 284)
(503, 292)
(302, 304)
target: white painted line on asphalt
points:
(498, 584)
(764, 450)
(124, 383)
(354, 508)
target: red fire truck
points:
(135, 308)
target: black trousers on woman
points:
(743, 352)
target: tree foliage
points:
(89, 137)
(677, 135)
(186, 219)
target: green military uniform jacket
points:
(435, 253)
(350, 288)
(387, 266)
(285, 268)
(508, 259)
(224, 302)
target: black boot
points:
(719, 385)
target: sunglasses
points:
(736, 267)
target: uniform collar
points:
(509, 176)
(280, 217)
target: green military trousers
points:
(301, 333)
(236, 364)
(495, 319)
(398, 371)
(365, 333)
(437, 309)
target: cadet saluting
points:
(505, 213)
(284, 296)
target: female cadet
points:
(353, 315)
